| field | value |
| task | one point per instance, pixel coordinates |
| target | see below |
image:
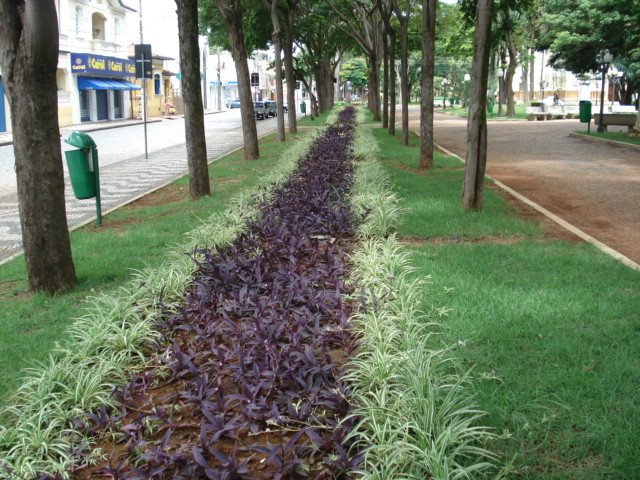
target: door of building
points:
(3, 122)
(102, 104)
(85, 112)
(118, 109)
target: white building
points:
(94, 75)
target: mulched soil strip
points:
(249, 387)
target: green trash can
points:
(490, 103)
(303, 107)
(585, 111)
(80, 164)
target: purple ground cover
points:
(255, 355)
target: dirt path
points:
(594, 187)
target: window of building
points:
(97, 26)
(78, 19)
(116, 29)
(156, 84)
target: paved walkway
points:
(122, 181)
(595, 187)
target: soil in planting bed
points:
(246, 383)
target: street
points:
(124, 171)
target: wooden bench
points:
(621, 119)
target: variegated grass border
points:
(416, 413)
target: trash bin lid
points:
(80, 140)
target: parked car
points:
(271, 108)
(234, 103)
(261, 110)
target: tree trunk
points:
(231, 13)
(277, 48)
(426, 83)
(374, 85)
(404, 69)
(385, 81)
(511, 71)
(636, 127)
(476, 158)
(288, 71)
(392, 82)
(196, 144)
(532, 76)
(525, 75)
(29, 58)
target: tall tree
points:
(272, 5)
(389, 33)
(199, 185)
(231, 15)
(362, 21)
(476, 158)
(322, 44)
(403, 15)
(426, 83)
(290, 7)
(29, 58)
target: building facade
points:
(94, 76)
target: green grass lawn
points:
(129, 239)
(551, 330)
(617, 136)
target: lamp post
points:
(467, 78)
(604, 58)
(444, 93)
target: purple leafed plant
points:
(256, 352)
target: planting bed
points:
(249, 384)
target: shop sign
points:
(97, 64)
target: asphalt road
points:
(595, 187)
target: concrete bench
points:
(623, 109)
(556, 112)
(621, 119)
(571, 110)
(535, 113)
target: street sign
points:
(142, 52)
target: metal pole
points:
(601, 120)
(205, 90)
(96, 176)
(144, 105)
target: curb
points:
(551, 216)
(614, 143)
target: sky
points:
(159, 26)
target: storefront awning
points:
(92, 83)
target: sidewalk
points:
(122, 182)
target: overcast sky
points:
(159, 26)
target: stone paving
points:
(123, 180)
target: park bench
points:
(571, 109)
(535, 113)
(624, 119)
(555, 112)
